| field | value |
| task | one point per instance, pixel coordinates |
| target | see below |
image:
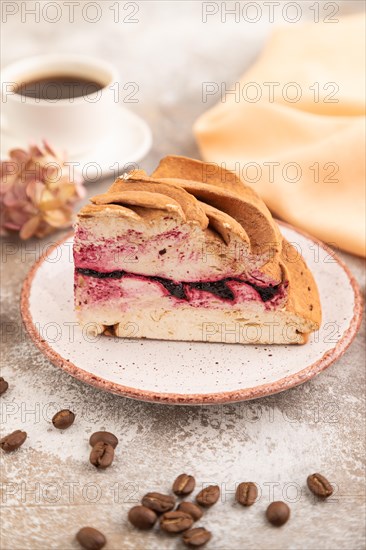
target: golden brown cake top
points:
(203, 193)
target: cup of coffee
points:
(68, 100)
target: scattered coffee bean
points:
(184, 485)
(209, 495)
(63, 419)
(319, 485)
(142, 517)
(246, 493)
(175, 522)
(106, 437)
(158, 502)
(3, 385)
(278, 513)
(13, 441)
(91, 538)
(102, 455)
(191, 509)
(196, 537)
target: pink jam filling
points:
(91, 290)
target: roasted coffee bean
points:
(191, 509)
(278, 513)
(102, 455)
(175, 522)
(13, 441)
(158, 502)
(184, 485)
(3, 385)
(246, 493)
(196, 537)
(91, 538)
(208, 496)
(319, 485)
(63, 419)
(106, 437)
(142, 517)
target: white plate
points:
(181, 372)
(128, 146)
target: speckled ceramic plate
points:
(181, 372)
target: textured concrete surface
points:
(49, 490)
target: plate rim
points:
(216, 398)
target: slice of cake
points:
(190, 253)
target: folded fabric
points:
(294, 129)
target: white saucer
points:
(184, 372)
(111, 156)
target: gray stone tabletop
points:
(49, 489)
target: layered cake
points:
(189, 253)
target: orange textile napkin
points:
(306, 158)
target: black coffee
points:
(53, 88)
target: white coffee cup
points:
(74, 124)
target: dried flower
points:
(37, 192)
